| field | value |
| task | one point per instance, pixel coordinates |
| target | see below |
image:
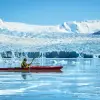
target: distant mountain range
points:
(68, 36)
(89, 26)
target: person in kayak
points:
(24, 64)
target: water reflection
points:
(24, 75)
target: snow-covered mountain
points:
(67, 36)
(89, 26)
(85, 27)
(22, 27)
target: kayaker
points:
(24, 64)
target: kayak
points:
(33, 69)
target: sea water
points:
(79, 80)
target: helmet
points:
(25, 59)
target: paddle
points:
(34, 59)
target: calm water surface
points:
(79, 80)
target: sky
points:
(49, 12)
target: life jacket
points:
(24, 64)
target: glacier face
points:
(69, 36)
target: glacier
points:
(69, 36)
